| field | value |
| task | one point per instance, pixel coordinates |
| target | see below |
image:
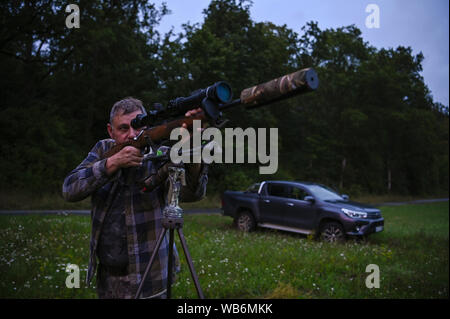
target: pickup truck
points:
(301, 207)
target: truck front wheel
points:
(245, 222)
(332, 232)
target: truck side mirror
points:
(309, 199)
(345, 197)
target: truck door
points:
(298, 212)
(272, 203)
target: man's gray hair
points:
(126, 106)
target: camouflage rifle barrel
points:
(301, 81)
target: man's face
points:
(121, 130)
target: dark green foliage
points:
(372, 127)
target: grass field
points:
(412, 254)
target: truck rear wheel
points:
(245, 222)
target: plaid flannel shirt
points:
(143, 212)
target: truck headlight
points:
(353, 214)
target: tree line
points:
(371, 127)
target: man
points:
(126, 217)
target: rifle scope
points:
(208, 98)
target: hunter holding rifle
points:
(127, 201)
(128, 190)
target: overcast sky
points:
(420, 24)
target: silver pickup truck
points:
(301, 207)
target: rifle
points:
(214, 100)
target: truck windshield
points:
(324, 194)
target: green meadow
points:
(412, 255)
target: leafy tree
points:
(61, 83)
(372, 125)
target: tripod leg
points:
(155, 251)
(190, 264)
(169, 266)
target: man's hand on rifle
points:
(192, 113)
(129, 156)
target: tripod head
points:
(176, 179)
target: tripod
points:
(172, 219)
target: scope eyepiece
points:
(152, 115)
(139, 121)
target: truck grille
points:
(373, 215)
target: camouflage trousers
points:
(117, 286)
